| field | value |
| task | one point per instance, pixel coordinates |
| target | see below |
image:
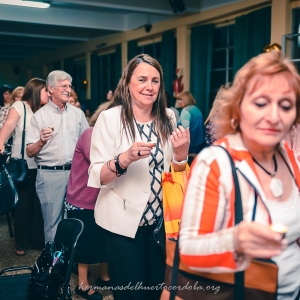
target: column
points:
(183, 54)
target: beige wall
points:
(295, 3)
(281, 21)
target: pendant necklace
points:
(276, 185)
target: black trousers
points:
(135, 266)
(29, 224)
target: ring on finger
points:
(139, 153)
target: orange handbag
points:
(173, 186)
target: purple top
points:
(78, 193)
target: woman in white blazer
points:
(133, 142)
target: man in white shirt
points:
(51, 140)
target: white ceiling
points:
(25, 32)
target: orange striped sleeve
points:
(202, 244)
(211, 196)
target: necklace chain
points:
(275, 166)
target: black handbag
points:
(8, 192)
(159, 236)
(49, 272)
(17, 167)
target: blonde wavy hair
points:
(216, 105)
(187, 98)
(15, 93)
(74, 95)
(227, 104)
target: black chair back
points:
(67, 234)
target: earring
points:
(234, 124)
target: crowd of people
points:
(106, 170)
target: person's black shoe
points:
(85, 294)
(104, 284)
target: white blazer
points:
(121, 203)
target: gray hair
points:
(55, 76)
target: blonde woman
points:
(209, 138)
(73, 98)
(251, 121)
(191, 117)
(17, 94)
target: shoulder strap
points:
(239, 290)
(24, 132)
(238, 276)
(238, 215)
(175, 270)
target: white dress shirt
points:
(68, 126)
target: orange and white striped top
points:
(207, 233)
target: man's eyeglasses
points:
(66, 86)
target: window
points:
(222, 59)
(291, 42)
(79, 75)
(107, 68)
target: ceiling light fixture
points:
(25, 3)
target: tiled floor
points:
(9, 259)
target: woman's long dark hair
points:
(32, 93)
(162, 122)
(4, 89)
